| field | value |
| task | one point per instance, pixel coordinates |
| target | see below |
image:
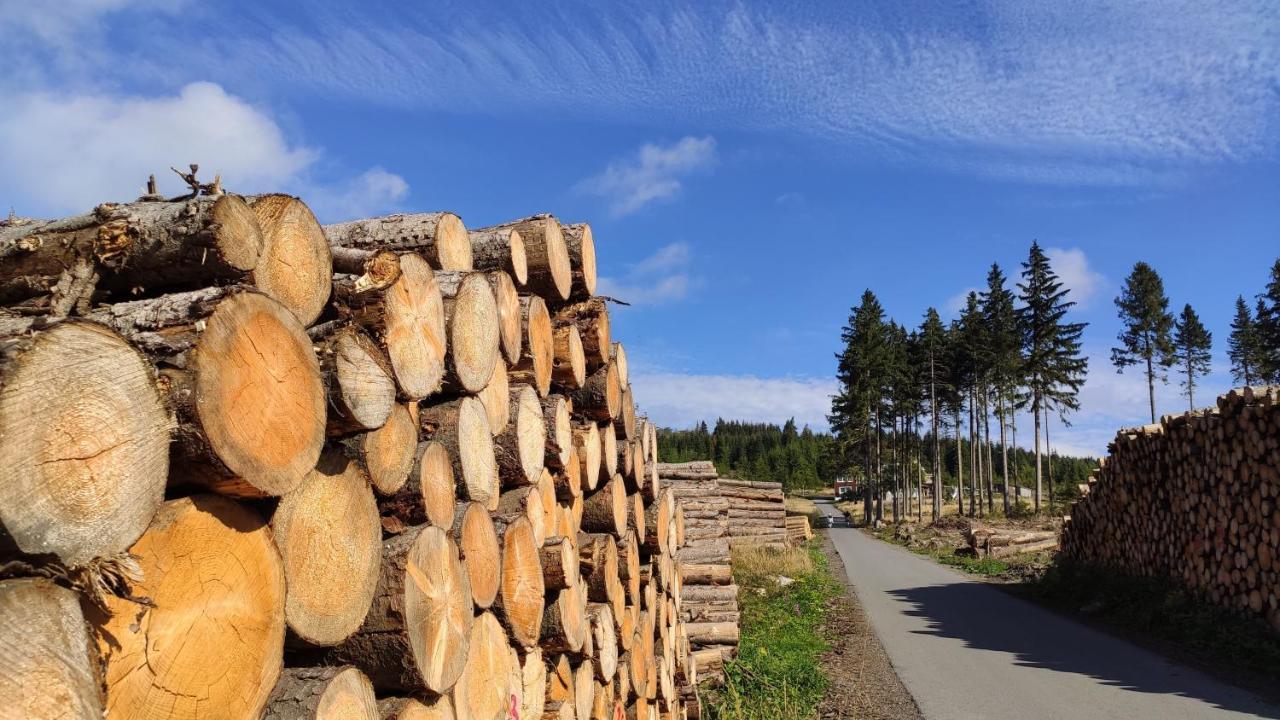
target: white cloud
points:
(653, 174)
(373, 192)
(1073, 269)
(67, 153)
(680, 400)
(663, 277)
(954, 305)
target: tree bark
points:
(592, 320)
(538, 354)
(439, 237)
(600, 397)
(323, 693)
(358, 377)
(582, 259)
(500, 249)
(462, 427)
(547, 255)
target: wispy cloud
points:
(665, 276)
(654, 173)
(373, 192)
(680, 400)
(1072, 267)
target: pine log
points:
(629, 565)
(361, 384)
(84, 451)
(591, 317)
(408, 320)
(471, 321)
(510, 332)
(329, 538)
(440, 708)
(500, 249)
(533, 684)
(462, 427)
(323, 693)
(626, 427)
(600, 397)
(520, 603)
(707, 574)
(605, 638)
(389, 453)
(119, 248)
(555, 416)
(582, 258)
(521, 448)
(200, 552)
(696, 593)
(415, 634)
(564, 623)
(657, 523)
(586, 440)
(478, 549)
(439, 237)
(550, 510)
(428, 496)
(608, 450)
(295, 266)
(496, 397)
(373, 269)
(713, 633)
(569, 366)
(584, 688)
(559, 560)
(598, 566)
(485, 689)
(569, 481)
(48, 661)
(606, 510)
(538, 351)
(618, 358)
(547, 255)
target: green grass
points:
(778, 672)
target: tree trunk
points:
(937, 453)
(1048, 457)
(582, 258)
(490, 682)
(500, 249)
(989, 461)
(520, 449)
(1035, 411)
(550, 271)
(49, 665)
(471, 321)
(462, 427)
(1004, 455)
(535, 365)
(959, 465)
(85, 445)
(415, 634)
(600, 398)
(360, 383)
(322, 693)
(569, 367)
(1151, 377)
(200, 552)
(389, 452)
(295, 267)
(605, 510)
(407, 318)
(510, 335)
(439, 237)
(592, 320)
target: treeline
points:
(799, 459)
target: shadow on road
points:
(985, 618)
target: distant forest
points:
(806, 460)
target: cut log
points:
(524, 502)
(48, 661)
(584, 689)
(600, 397)
(713, 633)
(605, 638)
(550, 510)
(606, 510)
(84, 450)
(199, 553)
(329, 538)
(582, 258)
(390, 451)
(598, 568)
(569, 482)
(361, 384)
(500, 249)
(373, 269)
(707, 593)
(547, 255)
(521, 448)
(586, 440)
(485, 689)
(706, 574)
(440, 237)
(629, 565)
(569, 368)
(471, 320)
(608, 450)
(533, 684)
(538, 352)
(462, 427)
(564, 622)
(510, 335)
(415, 634)
(559, 560)
(123, 247)
(322, 693)
(626, 427)
(441, 708)
(555, 416)
(592, 320)
(428, 496)
(481, 555)
(618, 358)
(657, 523)
(295, 267)
(520, 602)
(496, 397)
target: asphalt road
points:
(965, 650)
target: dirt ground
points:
(863, 683)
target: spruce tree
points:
(1191, 351)
(1267, 321)
(1242, 345)
(856, 407)
(1146, 337)
(933, 339)
(1004, 350)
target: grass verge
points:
(778, 672)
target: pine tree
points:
(1242, 345)
(1191, 346)
(1146, 338)
(1267, 321)
(855, 409)
(1004, 349)
(933, 338)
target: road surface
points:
(968, 650)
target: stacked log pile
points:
(1194, 500)
(799, 531)
(984, 541)
(757, 512)
(253, 467)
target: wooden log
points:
(520, 604)
(695, 593)
(538, 351)
(584, 688)
(48, 661)
(550, 510)
(521, 448)
(509, 328)
(586, 440)
(373, 269)
(478, 549)
(600, 397)
(605, 638)
(582, 259)
(322, 693)
(485, 688)
(555, 416)
(569, 366)
(500, 249)
(121, 247)
(629, 565)
(564, 623)
(329, 538)
(471, 321)
(533, 684)
(657, 523)
(360, 382)
(496, 397)
(706, 574)
(439, 237)
(626, 427)
(462, 427)
(523, 502)
(606, 510)
(295, 266)
(547, 256)
(599, 568)
(713, 633)
(569, 481)
(200, 552)
(84, 449)
(608, 450)
(440, 708)
(429, 496)
(415, 634)
(591, 317)
(389, 453)
(618, 358)
(407, 318)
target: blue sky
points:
(748, 168)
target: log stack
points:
(799, 531)
(256, 467)
(1194, 500)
